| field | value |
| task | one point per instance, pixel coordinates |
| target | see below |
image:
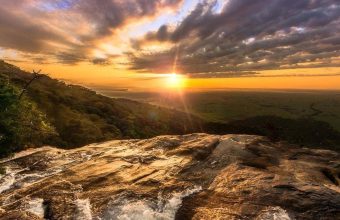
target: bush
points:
(21, 123)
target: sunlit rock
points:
(196, 176)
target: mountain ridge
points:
(76, 116)
(81, 116)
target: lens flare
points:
(175, 80)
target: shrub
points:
(21, 123)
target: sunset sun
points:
(174, 80)
(170, 109)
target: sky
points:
(212, 44)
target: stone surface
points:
(197, 176)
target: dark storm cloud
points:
(249, 35)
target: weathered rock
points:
(195, 176)
(19, 215)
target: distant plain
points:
(230, 105)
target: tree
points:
(21, 123)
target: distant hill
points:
(81, 116)
(52, 112)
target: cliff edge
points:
(196, 176)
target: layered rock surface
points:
(197, 176)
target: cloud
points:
(249, 35)
(224, 74)
(236, 38)
(241, 74)
(109, 14)
(67, 30)
(101, 61)
(20, 33)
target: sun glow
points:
(175, 80)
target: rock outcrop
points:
(197, 176)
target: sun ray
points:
(175, 81)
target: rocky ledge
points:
(197, 176)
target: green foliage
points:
(78, 116)
(81, 116)
(302, 131)
(308, 118)
(21, 123)
(226, 106)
